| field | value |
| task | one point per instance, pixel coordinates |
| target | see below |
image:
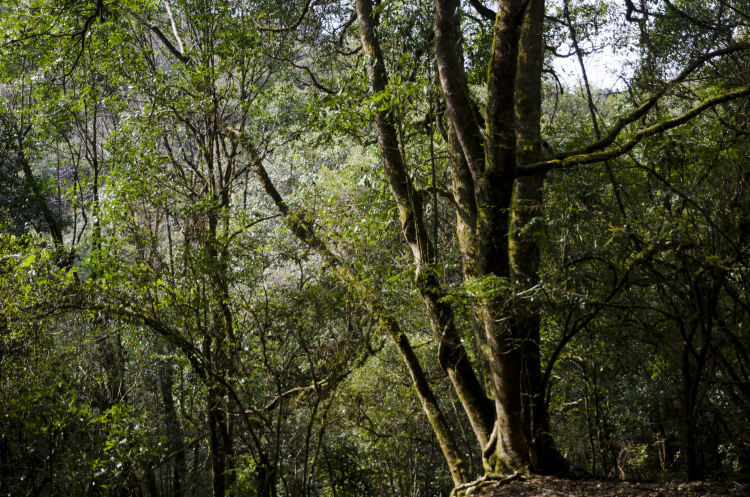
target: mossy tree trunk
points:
(525, 232)
(508, 419)
(490, 162)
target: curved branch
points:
(646, 106)
(292, 26)
(439, 191)
(160, 34)
(484, 11)
(579, 158)
(317, 84)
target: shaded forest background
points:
(214, 267)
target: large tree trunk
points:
(508, 450)
(524, 233)
(510, 339)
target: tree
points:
(208, 95)
(497, 176)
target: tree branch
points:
(314, 80)
(455, 86)
(646, 106)
(176, 34)
(292, 26)
(580, 157)
(158, 32)
(486, 13)
(440, 191)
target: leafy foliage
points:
(167, 328)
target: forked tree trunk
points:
(492, 164)
(484, 175)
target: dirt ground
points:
(546, 486)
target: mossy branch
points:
(579, 159)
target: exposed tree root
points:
(470, 488)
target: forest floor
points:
(547, 486)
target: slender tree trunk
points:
(693, 362)
(5, 471)
(300, 226)
(265, 477)
(219, 440)
(452, 356)
(688, 420)
(220, 341)
(174, 431)
(53, 223)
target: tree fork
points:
(492, 163)
(452, 356)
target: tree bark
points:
(523, 248)
(218, 440)
(688, 418)
(174, 431)
(492, 163)
(452, 356)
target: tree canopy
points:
(371, 248)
